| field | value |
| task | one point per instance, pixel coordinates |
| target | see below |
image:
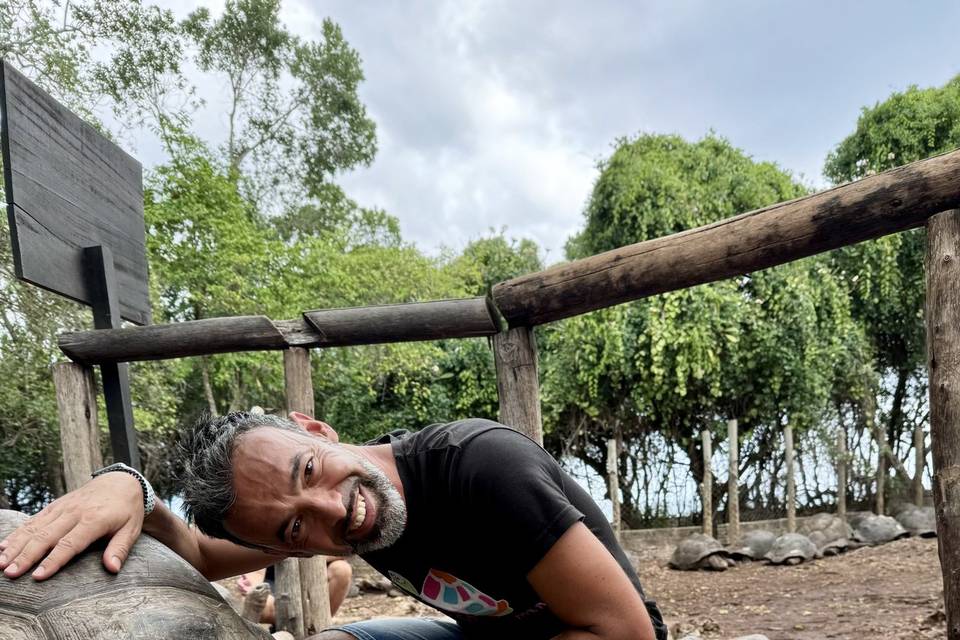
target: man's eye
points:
(295, 530)
(308, 468)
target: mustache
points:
(353, 485)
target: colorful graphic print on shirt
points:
(449, 593)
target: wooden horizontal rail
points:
(323, 328)
(403, 322)
(879, 205)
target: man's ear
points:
(314, 426)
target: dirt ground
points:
(888, 592)
(894, 591)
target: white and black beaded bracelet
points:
(149, 497)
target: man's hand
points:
(109, 505)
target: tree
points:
(294, 116)
(656, 372)
(885, 277)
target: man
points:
(472, 518)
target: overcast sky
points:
(493, 114)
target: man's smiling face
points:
(301, 494)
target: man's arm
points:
(583, 586)
(111, 506)
(215, 559)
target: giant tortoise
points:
(156, 596)
(754, 545)
(699, 551)
(791, 548)
(918, 521)
(874, 529)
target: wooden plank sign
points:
(68, 187)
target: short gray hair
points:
(206, 453)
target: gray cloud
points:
(494, 113)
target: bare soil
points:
(894, 591)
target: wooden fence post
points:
(706, 488)
(315, 597)
(791, 481)
(515, 354)
(842, 474)
(287, 601)
(733, 484)
(943, 354)
(79, 431)
(613, 483)
(920, 460)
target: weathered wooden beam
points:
(159, 341)
(403, 322)
(875, 206)
(314, 594)
(943, 359)
(79, 431)
(518, 386)
(287, 601)
(322, 328)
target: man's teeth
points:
(359, 513)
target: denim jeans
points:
(403, 629)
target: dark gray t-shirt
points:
(485, 504)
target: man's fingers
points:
(30, 542)
(67, 546)
(119, 547)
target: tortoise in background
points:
(918, 521)
(791, 548)
(874, 529)
(828, 532)
(753, 545)
(156, 596)
(700, 551)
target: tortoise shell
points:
(754, 545)
(791, 548)
(693, 549)
(919, 521)
(156, 596)
(876, 529)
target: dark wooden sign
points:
(68, 188)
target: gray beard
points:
(391, 511)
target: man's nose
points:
(329, 504)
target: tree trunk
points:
(791, 481)
(920, 460)
(207, 387)
(842, 473)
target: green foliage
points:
(656, 185)
(294, 117)
(884, 278)
(495, 258)
(207, 248)
(762, 349)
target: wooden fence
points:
(925, 192)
